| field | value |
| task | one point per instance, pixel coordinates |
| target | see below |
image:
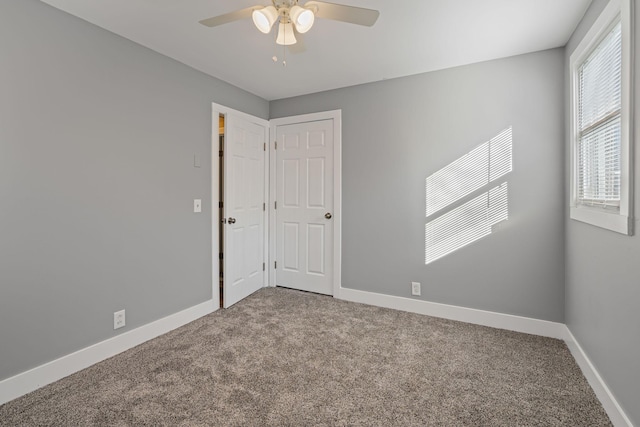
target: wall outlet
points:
(415, 288)
(118, 319)
(197, 205)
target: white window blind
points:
(601, 74)
(599, 124)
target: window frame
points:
(621, 220)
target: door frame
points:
(336, 116)
(216, 111)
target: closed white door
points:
(304, 206)
(243, 237)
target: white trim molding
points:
(609, 402)
(336, 116)
(218, 110)
(492, 319)
(619, 220)
(25, 382)
(28, 381)
(509, 322)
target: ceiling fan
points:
(292, 16)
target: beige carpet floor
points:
(289, 358)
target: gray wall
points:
(603, 276)
(397, 132)
(97, 139)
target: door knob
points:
(231, 220)
(328, 215)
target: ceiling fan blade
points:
(340, 12)
(228, 17)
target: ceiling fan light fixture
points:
(302, 18)
(265, 18)
(286, 36)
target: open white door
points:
(244, 197)
(305, 215)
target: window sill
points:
(613, 221)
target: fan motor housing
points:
(286, 4)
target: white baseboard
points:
(42, 375)
(470, 315)
(609, 403)
(502, 321)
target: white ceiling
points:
(410, 37)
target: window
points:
(601, 122)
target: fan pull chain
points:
(275, 50)
(284, 49)
(274, 58)
(284, 52)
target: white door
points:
(243, 252)
(304, 206)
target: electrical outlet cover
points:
(415, 288)
(119, 319)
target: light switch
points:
(197, 205)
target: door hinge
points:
(275, 205)
(220, 255)
(220, 153)
(264, 148)
(275, 264)
(276, 144)
(264, 206)
(264, 266)
(220, 205)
